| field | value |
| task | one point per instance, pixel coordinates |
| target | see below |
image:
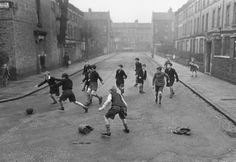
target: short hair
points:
(65, 75)
(120, 66)
(137, 59)
(46, 73)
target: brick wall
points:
(224, 68)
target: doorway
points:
(208, 57)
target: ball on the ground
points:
(29, 111)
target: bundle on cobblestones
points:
(29, 111)
(84, 129)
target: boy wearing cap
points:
(120, 77)
(158, 83)
(142, 76)
(118, 106)
(53, 87)
(172, 77)
(67, 86)
(93, 85)
(138, 67)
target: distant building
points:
(163, 29)
(132, 36)
(206, 30)
(98, 32)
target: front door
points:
(208, 57)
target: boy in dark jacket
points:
(118, 106)
(142, 76)
(172, 77)
(93, 85)
(120, 77)
(138, 67)
(67, 86)
(158, 83)
(53, 87)
(86, 73)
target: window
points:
(198, 24)
(213, 19)
(234, 14)
(226, 46)
(207, 15)
(218, 17)
(201, 46)
(204, 3)
(234, 56)
(227, 15)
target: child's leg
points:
(82, 105)
(61, 104)
(108, 129)
(89, 97)
(125, 125)
(53, 98)
(159, 96)
(95, 95)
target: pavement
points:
(25, 87)
(50, 135)
(220, 94)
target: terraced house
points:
(206, 30)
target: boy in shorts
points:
(138, 67)
(53, 87)
(93, 86)
(172, 76)
(86, 73)
(67, 93)
(158, 83)
(120, 77)
(118, 106)
(142, 76)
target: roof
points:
(75, 9)
(162, 15)
(131, 25)
(184, 6)
(97, 15)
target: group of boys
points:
(118, 104)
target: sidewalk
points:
(220, 94)
(24, 87)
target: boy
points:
(118, 106)
(142, 76)
(158, 83)
(172, 76)
(86, 78)
(67, 93)
(167, 62)
(193, 67)
(93, 85)
(5, 75)
(53, 87)
(120, 76)
(86, 73)
(138, 67)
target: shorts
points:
(122, 111)
(93, 86)
(193, 68)
(159, 88)
(170, 83)
(120, 85)
(67, 94)
(55, 91)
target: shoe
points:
(62, 108)
(55, 102)
(142, 92)
(83, 90)
(85, 109)
(126, 130)
(100, 100)
(106, 134)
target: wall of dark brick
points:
(224, 68)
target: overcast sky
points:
(129, 10)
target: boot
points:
(171, 93)
(156, 99)
(108, 131)
(126, 130)
(142, 89)
(89, 100)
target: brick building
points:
(163, 30)
(74, 41)
(206, 29)
(98, 32)
(132, 36)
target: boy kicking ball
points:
(118, 106)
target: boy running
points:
(118, 106)
(158, 83)
(53, 87)
(93, 85)
(172, 76)
(67, 86)
(120, 77)
(86, 73)
(142, 76)
(138, 67)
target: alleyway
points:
(51, 136)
